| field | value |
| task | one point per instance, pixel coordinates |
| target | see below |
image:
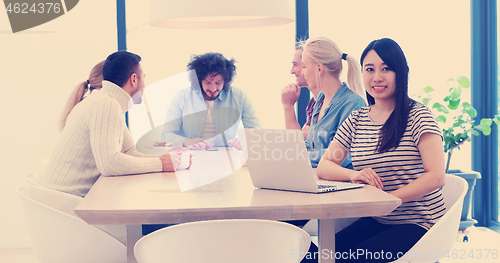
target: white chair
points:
(224, 241)
(118, 231)
(440, 238)
(59, 236)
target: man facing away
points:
(209, 112)
(96, 141)
(290, 94)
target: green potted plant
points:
(458, 118)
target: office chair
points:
(59, 236)
(224, 241)
(441, 236)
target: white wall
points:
(39, 67)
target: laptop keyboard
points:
(326, 186)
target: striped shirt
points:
(95, 142)
(398, 166)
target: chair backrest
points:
(440, 238)
(58, 235)
(224, 241)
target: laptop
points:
(278, 159)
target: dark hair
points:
(300, 43)
(119, 66)
(213, 64)
(395, 126)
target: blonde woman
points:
(80, 92)
(323, 61)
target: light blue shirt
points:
(322, 131)
(187, 113)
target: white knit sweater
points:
(95, 142)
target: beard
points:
(210, 97)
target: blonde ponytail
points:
(354, 77)
(75, 97)
(326, 52)
(94, 81)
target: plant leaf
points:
(471, 112)
(440, 107)
(453, 104)
(449, 140)
(486, 121)
(485, 126)
(466, 105)
(458, 122)
(475, 132)
(437, 106)
(456, 93)
(463, 81)
(428, 89)
(497, 120)
(485, 130)
(441, 118)
(425, 101)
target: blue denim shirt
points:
(322, 131)
(187, 113)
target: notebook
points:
(278, 159)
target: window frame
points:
(484, 78)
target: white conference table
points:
(156, 198)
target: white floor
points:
(483, 246)
(482, 241)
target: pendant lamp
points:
(204, 14)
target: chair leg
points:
(134, 233)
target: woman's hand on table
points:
(367, 176)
